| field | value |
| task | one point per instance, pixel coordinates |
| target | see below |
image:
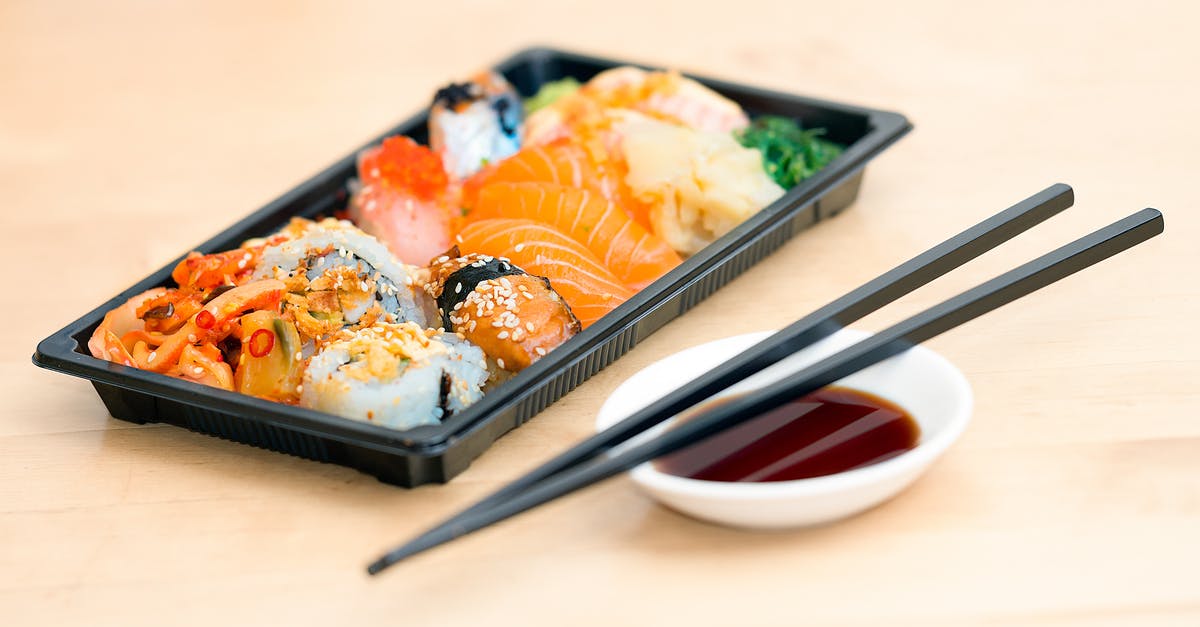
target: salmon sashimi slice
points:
(595, 165)
(560, 162)
(635, 255)
(590, 288)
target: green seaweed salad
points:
(790, 153)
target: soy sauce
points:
(831, 430)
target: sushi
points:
(666, 96)
(404, 198)
(466, 261)
(397, 375)
(337, 277)
(475, 123)
(588, 286)
(635, 255)
(515, 317)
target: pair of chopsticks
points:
(586, 463)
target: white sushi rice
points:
(471, 139)
(393, 375)
(397, 289)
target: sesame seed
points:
(443, 259)
(300, 388)
(192, 338)
(198, 370)
(518, 248)
(502, 335)
(527, 295)
(299, 356)
(500, 362)
(151, 356)
(529, 327)
(516, 335)
(498, 323)
(458, 288)
(471, 326)
(540, 351)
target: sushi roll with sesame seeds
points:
(515, 317)
(397, 375)
(339, 277)
(475, 123)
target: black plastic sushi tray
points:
(438, 453)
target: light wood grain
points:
(131, 131)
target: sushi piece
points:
(588, 286)
(560, 162)
(475, 123)
(593, 165)
(337, 276)
(666, 96)
(635, 255)
(397, 375)
(700, 185)
(669, 96)
(515, 317)
(404, 198)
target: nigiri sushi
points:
(588, 286)
(635, 255)
(560, 162)
(515, 317)
(475, 123)
(668, 96)
(404, 198)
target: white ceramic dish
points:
(928, 386)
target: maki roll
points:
(515, 317)
(475, 123)
(397, 375)
(339, 277)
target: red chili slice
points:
(205, 319)
(261, 343)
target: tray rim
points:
(58, 352)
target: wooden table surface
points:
(131, 132)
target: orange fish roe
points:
(402, 163)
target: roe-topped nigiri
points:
(588, 286)
(404, 199)
(635, 255)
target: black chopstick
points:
(1010, 286)
(867, 298)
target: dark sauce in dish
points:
(831, 430)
